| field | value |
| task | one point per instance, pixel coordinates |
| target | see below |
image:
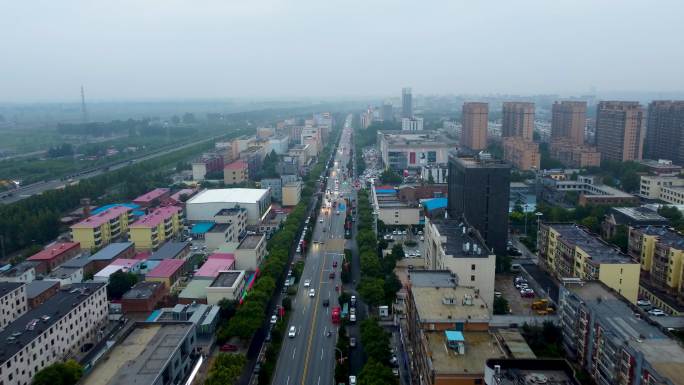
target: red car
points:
(228, 348)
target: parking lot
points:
(518, 305)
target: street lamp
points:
(539, 215)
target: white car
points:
(292, 333)
(352, 380)
(320, 220)
(657, 312)
(643, 302)
(312, 293)
(274, 319)
(352, 317)
(307, 283)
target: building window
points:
(472, 267)
(472, 278)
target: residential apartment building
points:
(250, 252)
(568, 121)
(97, 231)
(219, 234)
(54, 255)
(475, 118)
(152, 198)
(229, 284)
(52, 332)
(518, 120)
(479, 188)
(523, 154)
(206, 164)
(603, 334)
(13, 302)
(447, 330)
(236, 216)
(620, 130)
(168, 272)
(412, 150)
(21, 272)
(312, 136)
(665, 131)
(669, 189)
(412, 124)
(661, 167)
(660, 250)
(280, 144)
(152, 230)
(292, 192)
(235, 172)
(570, 251)
(435, 173)
(452, 244)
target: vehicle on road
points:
(352, 380)
(395, 371)
(257, 368)
(352, 317)
(274, 319)
(331, 275)
(320, 220)
(334, 263)
(312, 293)
(292, 333)
(228, 348)
(353, 300)
(643, 302)
(336, 315)
(326, 302)
(352, 342)
(307, 283)
(657, 312)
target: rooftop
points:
(231, 211)
(213, 266)
(639, 214)
(125, 262)
(156, 217)
(237, 165)
(111, 251)
(533, 371)
(97, 220)
(63, 272)
(152, 195)
(449, 304)
(220, 228)
(227, 278)
(251, 241)
(665, 235)
(484, 161)
(80, 261)
(433, 278)
(141, 357)
(196, 289)
(413, 138)
(7, 287)
(170, 250)
(166, 268)
(434, 203)
(53, 251)
(201, 227)
(515, 343)
(19, 269)
(186, 191)
(104, 208)
(461, 239)
(479, 347)
(142, 290)
(598, 250)
(229, 195)
(36, 288)
(29, 326)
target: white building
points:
(12, 302)
(227, 285)
(52, 332)
(21, 272)
(207, 203)
(248, 253)
(66, 275)
(413, 150)
(412, 124)
(280, 144)
(451, 244)
(669, 189)
(439, 173)
(236, 217)
(392, 211)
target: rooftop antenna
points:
(84, 111)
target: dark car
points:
(514, 251)
(326, 302)
(331, 275)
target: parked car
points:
(395, 371)
(312, 293)
(228, 348)
(644, 302)
(657, 312)
(292, 333)
(274, 319)
(352, 380)
(307, 283)
(527, 293)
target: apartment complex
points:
(669, 189)
(602, 333)
(292, 192)
(99, 230)
(569, 251)
(54, 331)
(452, 244)
(665, 131)
(408, 150)
(13, 302)
(152, 230)
(569, 118)
(629, 217)
(448, 330)
(235, 172)
(152, 198)
(523, 154)
(518, 120)
(479, 189)
(474, 125)
(660, 250)
(620, 130)
(236, 217)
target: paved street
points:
(309, 357)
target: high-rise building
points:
(474, 123)
(619, 130)
(568, 121)
(479, 190)
(412, 124)
(387, 113)
(406, 103)
(518, 120)
(665, 131)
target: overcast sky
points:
(169, 49)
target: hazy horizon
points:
(209, 50)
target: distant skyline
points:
(275, 49)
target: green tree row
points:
(376, 344)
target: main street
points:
(309, 357)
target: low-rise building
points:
(13, 302)
(669, 189)
(39, 291)
(280, 144)
(206, 164)
(54, 331)
(567, 250)
(250, 252)
(529, 372)
(236, 216)
(152, 230)
(603, 334)
(227, 285)
(99, 230)
(144, 296)
(219, 234)
(453, 245)
(589, 192)
(661, 167)
(153, 353)
(168, 271)
(235, 172)
(401, 150)
(124, 265)
(171, 250)
(292, 193)
(66, 275)
(83, 262)
(152, 198)
(391, 210)
(22, 272)
(204, 317)
(195, 291)
(54, 255)
(628, 217)
(110, 253)
(435, 173)
(181, 196)
(207, 203)
(522, 153)
(215, 264)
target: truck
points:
(336, 315)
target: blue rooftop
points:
(384, 191)
(201, 228)
(453, 335)
(100, 209)
(434, 204)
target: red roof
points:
(142, 255)
(237, 165)
(166, 268)
(213, 266)
(54, 251)
(222, 256)
(152, 195)
(97, 220)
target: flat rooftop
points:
(141, 357)
(53, 251)
(251, 241)
(434, 304)
(169, 250)
(479, 347)
(19, 269)
(152, 195)
(36, 288)
(29, 326)
(142, 290)
(599, 251)
(111, 251)
(63, 272)
(231, 211)
(7, 287)
(416, 139)
(433, 278)
(533, 371)
(229, 195)
(226, 278)
(478, 162)
(460, 242)
(97, 220)
(666, 236)
(639, 214)
(220, 228)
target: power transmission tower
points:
(84, 111)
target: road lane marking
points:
(294, 351)
(321, 355)
(288, 380)
(313, 327)
(319, 380)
